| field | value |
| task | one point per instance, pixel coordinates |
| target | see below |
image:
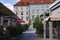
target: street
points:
(29, 35)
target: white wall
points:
(41, 7)
(34, 9)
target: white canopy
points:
(55, 17)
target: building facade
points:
(37, 10)
(22, 12)
(31, 7)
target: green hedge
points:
(1, 26)
(17, 30)
(25, 27)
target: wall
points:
(41, 7)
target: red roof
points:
(25, 2)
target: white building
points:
(31, 7)
(22, 12)
(38, 9)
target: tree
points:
(38, 25)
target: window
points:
(32, 16)
(27, 13)
(37, 11)
(55, 26)
(21, 8)
(27, 8)
(42, 10)
(42, 6)
(37, 15)
(22, 17)
(21, 13)
(47, 10)
(27, 18)
(33, 11)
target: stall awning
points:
(46, 19)
(4, 11)
(55, 17)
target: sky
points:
(9, 3)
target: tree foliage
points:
(38, 25)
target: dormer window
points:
(27, 3)
(42, 1)
(22, 3)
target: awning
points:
(46, 19)
(55, 17)
(4, 11)
(19, 21)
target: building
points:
(52, 23)
(6, 16)
(22, 11)
(29, 9)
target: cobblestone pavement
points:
(29, 35)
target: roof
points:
(4, 11)
(54, 3)
(25, 2)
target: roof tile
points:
(35, 2)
